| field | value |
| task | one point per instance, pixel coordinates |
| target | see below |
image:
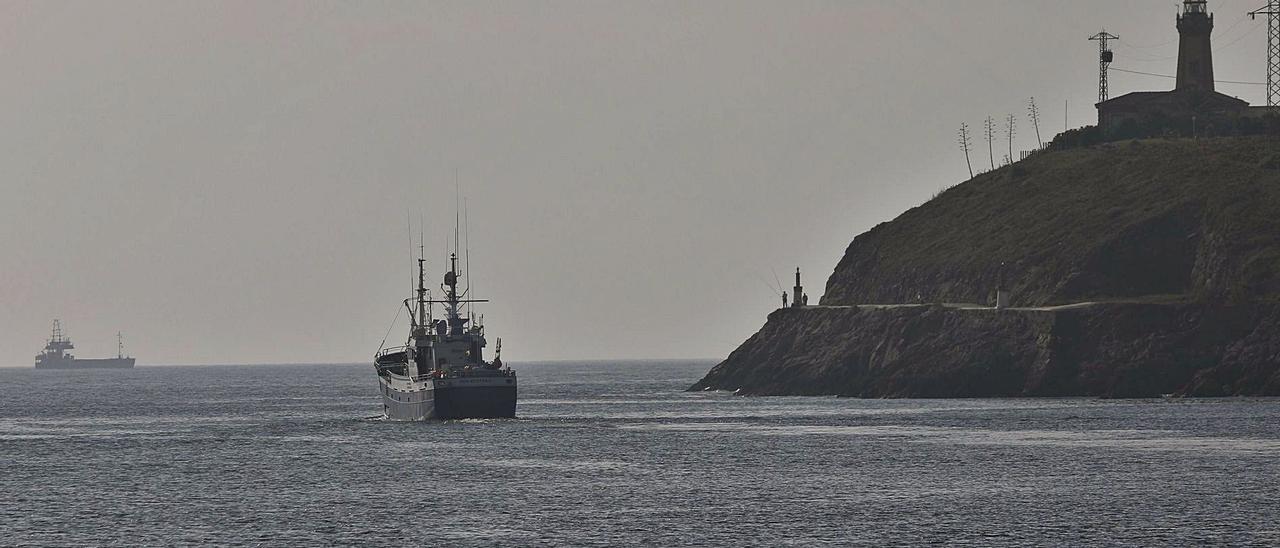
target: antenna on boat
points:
(119, 345)
(457, 224)
(422, 257)
(408, 219)
(457, 213)
(466, 219)
(422, 293)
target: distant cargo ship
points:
(55, 355)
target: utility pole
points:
(1105, 57)
(991, 137)
(1272, 11)
(1034, 114)
(965, 144)
(1010, 127)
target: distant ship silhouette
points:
(55, 355)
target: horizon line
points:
(224, 364)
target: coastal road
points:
(968, 306)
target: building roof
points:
(1197, 97)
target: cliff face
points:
(1179, 242)
(1113, 350)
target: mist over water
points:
(245, 166)
(614, 453)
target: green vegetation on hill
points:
(1186, 220)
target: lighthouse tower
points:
(1194, 107)
(799, 300)
(1195, 52)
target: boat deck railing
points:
(392, 350)
(466, 373)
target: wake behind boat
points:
(441, 372)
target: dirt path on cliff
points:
(970, 306)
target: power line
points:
(1223, 35)
(1175, 77)
(1237, 40)
(1136, 54)
(1218, 38)
(1153, 46)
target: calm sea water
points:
(615, 454)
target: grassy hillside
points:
(1167, 220)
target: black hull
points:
(486, 402)
(105, 363)
(446, 402)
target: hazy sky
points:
(227, 182)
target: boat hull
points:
(448, 399)
(104, 363)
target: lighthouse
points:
(1194, 108)
(1195, 51)
(799, 299)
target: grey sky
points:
(227, 182)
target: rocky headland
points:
(1134, 269)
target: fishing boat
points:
(441, 373)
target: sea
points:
(615, 453)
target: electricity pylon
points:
(1273, 50)
(1105, 57)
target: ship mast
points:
(58, 342)
(422, 293)
(451, 293)
(453, 299)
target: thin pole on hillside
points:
(1010, 129)
(965, 144)
(1034, 113)
(991, 137)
